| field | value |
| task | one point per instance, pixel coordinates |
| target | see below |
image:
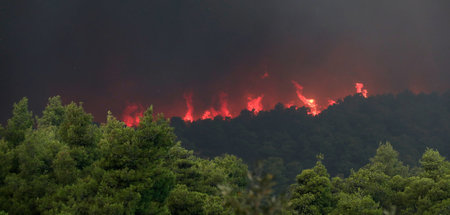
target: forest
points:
(348, 133)
(343, 161)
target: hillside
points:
(287, 140)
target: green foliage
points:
(200, 179)
(185, 202)
(53, 114)
(381, 178)
(234, 169)
(258, 198)
(312, 192)
(131, 160)
(69, 165)
(383, 185)
(434, 165)
(355, 204)
(386, 161)
(76, 128)
(20, 122)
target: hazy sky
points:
(112, 53)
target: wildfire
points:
(254, 104)
(209, 114)
(224, 111)
(359, 89)
(311, 103)
(190, 108)
(132, 113)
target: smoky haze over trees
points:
(108, 53)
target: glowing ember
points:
(359, 89)
(310, 103)
(188, 117)
(254, 104)
(132, 113)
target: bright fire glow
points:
(310, 103)
(132, 113)
(359, 89)
(224, 111)
(254, 104)
(188, 117)
(211, 113)
(331, 102)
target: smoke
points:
(113, 52)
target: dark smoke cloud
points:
(108, 53)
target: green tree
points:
(386, 161)
(381, 178)
(428, 193)
(77, 128)
(152, 140)
(257, 199)
(20, 122)
(234, 168)
(312, 192)
(356, 204)
(30, 177)
(79, 132)
(53, 114)
(434, 165)
(185, 202)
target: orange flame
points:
(188, 117)
(132, 113)
(364, 93)
(254, 104)
(224, 105)
(211, 113)
(311, 103)
(359, 89)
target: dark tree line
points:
(287, 140)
